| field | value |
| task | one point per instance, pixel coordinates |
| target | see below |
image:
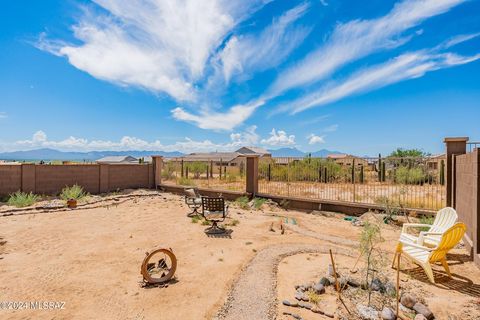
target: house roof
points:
(253, 150)
(117, 159)
(212, 156)
(339, 156)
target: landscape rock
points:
(316, 310)
(388, 314)
(296, 316)
(353, 282)
(319, 288)
(325, 282)
(305, 305)
(367, 313)
(408, 300)
(420, 317)
(423, 310)
(377, 285)
(286, 303)
(390, 289)
(299, 295)
(330, 271)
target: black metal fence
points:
(215, 174)
(405, 182)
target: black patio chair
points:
(214, 210)
(193, 200)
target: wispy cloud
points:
(404, 67)
(279, 138)
(40, 140)
(258, 52)
(314, 139)
(208, 119)
(332, 128)
(159, 45)
(458, 39)
(358, 38)
(3, 115)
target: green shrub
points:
(195, 219)
(258, 202)
(185, 181)
(22, 199)
(74, 192)
(242, 202)
(404, 175)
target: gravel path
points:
(254, 295)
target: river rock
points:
(325, 282)
(390, 289)
(423, 310)
(367, 313)
(420, 317)
(319, 288)
(377, 285)
(388, 314)
(408, 300)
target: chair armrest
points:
(414, 225)
(432, 233)
(411, 244)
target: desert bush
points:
(370, 239)
(410, 176)
(197, 168)
(22, 199)
(242, 202)
(74, 192)
(258, 202)
(313, 297)
(185, 181)
(195, 219)
(168, 170)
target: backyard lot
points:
(90, 259)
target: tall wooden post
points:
(252, 174)
(454, 146)
(157, 169)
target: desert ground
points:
(89, 258)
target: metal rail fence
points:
(215, 174)
(405, 182)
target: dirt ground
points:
(90, 260)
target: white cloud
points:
(332, 128)
(403, 67)
(159, 45)
(40, 140)
(458, 39)
(324, 3)
(279, 138)
(3, 115)
(358, 38)
(207, 119)
(258, 52)
(314, 139)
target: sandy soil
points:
(90, 259)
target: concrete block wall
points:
(467, 194)
(94, 178)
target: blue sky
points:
(359, 77)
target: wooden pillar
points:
(252, 174)
(454, 146)
(157, 170)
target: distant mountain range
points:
(294, 152)
(51, 154)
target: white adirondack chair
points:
(424, 256)
(444, 219)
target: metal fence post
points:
(251, 186)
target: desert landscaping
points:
(89, 258)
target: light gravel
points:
(254, 294)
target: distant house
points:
(287, 160)
(118, 159)
(435, 162)
(347, 160)
(254, 151)
(218, 158)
